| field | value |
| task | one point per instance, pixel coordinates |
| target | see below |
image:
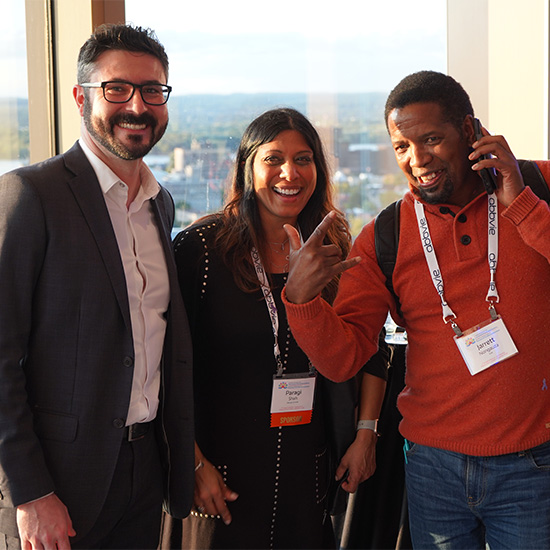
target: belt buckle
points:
(137, 431)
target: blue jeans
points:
(458, 501)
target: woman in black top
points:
(263, 476)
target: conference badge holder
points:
(485, 345)
(292, 399)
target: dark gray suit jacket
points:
(66, 351)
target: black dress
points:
(281, 474)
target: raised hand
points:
(313, 264)
(510, 180)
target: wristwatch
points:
(368, 425)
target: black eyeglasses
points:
(121, 92)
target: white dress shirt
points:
(147, 282)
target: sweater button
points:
(462, 218)
(465, 239)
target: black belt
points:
(137, 431)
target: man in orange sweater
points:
(472, 275)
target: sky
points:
(13, 50)
(296, 45)
(250, 46)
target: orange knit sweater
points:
(505, 408)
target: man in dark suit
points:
(96, 422)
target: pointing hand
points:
(314, 264)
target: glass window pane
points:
(336, 63)
(14, 114)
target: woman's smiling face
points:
(285, 177)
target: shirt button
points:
(444, 210)
(465, 239)
(462, 218)
(119, 423)
(128, 361)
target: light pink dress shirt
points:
(146, 280)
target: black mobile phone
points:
(488, 175)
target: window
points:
(335, 62)
(231, 61)
(14, 115)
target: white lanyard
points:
(433, 265)
(492, 240)
(271, 307)
(292, 395)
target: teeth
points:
(129, 126)
(427, 178)
(284, 191)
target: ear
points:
(78, 94)
(468, 129)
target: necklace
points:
(286, 259)
(279, 247)
(284, 266)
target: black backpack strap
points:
(386, 242)
(532, 176)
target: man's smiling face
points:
(126, 130)
(433, 154)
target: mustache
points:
(128, 118)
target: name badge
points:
(292, 400)
(486, 345)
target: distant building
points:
(367, 158)
(179, 159)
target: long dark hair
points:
(241, 228)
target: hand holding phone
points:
(488, 175)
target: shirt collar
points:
(149, 187)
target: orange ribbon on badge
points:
(293, 418)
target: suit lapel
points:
(163, 212)
(88, 195)
(164, 224)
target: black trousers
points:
(131, 515)
(132, 512)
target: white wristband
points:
(368, 425)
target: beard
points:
(437, 196)
(102, 130)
